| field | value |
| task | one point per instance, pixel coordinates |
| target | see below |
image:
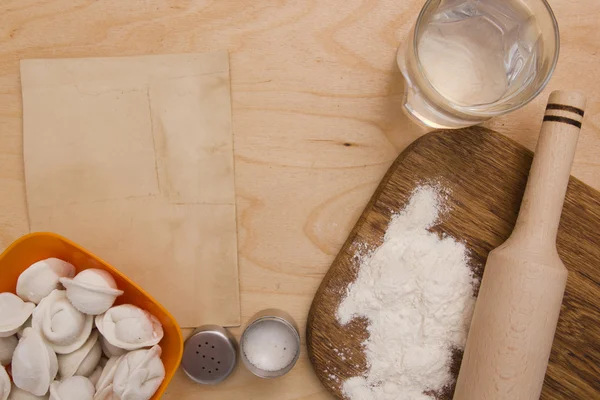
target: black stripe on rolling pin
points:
(565, 108)
(569, 121)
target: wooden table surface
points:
(316, 116)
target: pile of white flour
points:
(416, 290)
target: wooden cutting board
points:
(486, 174)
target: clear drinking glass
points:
(466, 61)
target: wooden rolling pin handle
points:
(519, 301)
(544, 196)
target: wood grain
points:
(307, 78)
(486, 174)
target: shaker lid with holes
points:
(209, 355)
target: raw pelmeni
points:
(95, 376)
(139, 374)
(106, 394)
(104, 387)
(64, 327)
(74, 388)
(82, 361)
(13, 313)
(7, 348)
(20, 394)
(34, 364)
(417, 292)
(26, 325)
(129, 327)
(109, 350)
(4, 384)
(41, 278)
(92, 291)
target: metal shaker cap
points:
(209, 355)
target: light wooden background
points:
(317, 120)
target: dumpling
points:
(104, 387)
(13, 313)
(20, 394)
(26, 325)
(82, 361)
(41, 278)
(7, 348)
(34, 364)
(92, 291)
(4, 384)
(109, 350)
(106, 394)
(64, 327)
(139, 374)
(74, 388)
(129, 327)
(95, 376)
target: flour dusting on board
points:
(416, 290)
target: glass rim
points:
(470, 111)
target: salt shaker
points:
(210, 354)
(270, 344)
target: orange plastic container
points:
(38, 246)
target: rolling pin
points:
(516, 312)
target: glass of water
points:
(466, 61)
